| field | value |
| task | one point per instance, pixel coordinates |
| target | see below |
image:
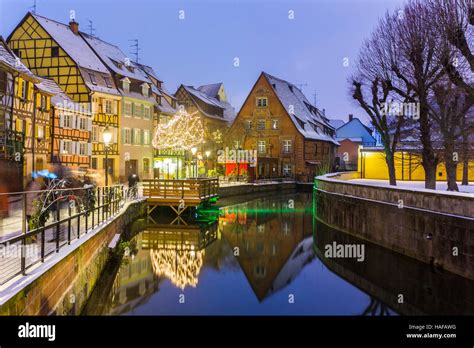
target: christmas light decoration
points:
(183, 131)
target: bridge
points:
(179, 194)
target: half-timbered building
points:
(137, 105)
(216, 113)
(292, 138)
(58, 51)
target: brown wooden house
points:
(291, 136)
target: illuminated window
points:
(108, 107)
(83, 149)
(146, 137)
(262, 146)
(95, 134)
(287, 169)
(127, 136)
(83, 123)
(261, 124)
(275, 124)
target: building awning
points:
(313, 162)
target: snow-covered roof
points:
(210, 90)
(115, 59)
(8, 58)
(336, 123)
(72, 43)
(166, 107)
(149, 70)
(59, 98)
(227, 110)
(307, 118)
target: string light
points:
(183, 131)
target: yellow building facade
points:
(408, 166)
(57, 51)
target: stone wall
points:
(423, 232)
(440, 201)
(65, 287)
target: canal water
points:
(265, 256)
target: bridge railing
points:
(69, 214)
(193, 189)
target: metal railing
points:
(66, 222)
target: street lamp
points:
(193, 152)
(107, 138)
(208, 153)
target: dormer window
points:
(145, 89)
(107, 82)
(131, 69)
(126, 85)
(93, 78)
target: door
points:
(131, 167)
(110, 169)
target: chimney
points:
(324, 112)
(74, 26)
(351, 117)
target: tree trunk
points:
(465, 161)
(389, 158)
(451, 165)
(429, 160)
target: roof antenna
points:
(91, 28)
(33, 8)
(301, 85)
(135, 48)
(315, 96)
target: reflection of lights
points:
(182, 267)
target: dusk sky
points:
(201, 48)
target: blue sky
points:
(201, 48)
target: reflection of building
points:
(268, 234)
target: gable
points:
(355, 129)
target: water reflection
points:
(252, 257)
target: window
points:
(67, 121)
(43, 102)
(262, 102)
(3, 82)
(67, 147)
(286, 146)
(136, 136)
(287, 170)
(108, 107)
(128, 109)
(83, 149)
(93, 78)
(107, 82)
(146, 113)
(260, 271)
(316, 149)
(262, 146)
(83, 123)
(146, 137)
(127, 136)
(40, 132)
(146, 165)
(94, 163)
(275, 124)
(54, 51)
(261, 124)
(95, 134)
(145, 89)
(126, 85)
(24, 89)
(248, 125)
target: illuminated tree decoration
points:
(183, 131)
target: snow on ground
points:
(415, 185)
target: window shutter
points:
(89, 124)
(133, 109)
(61, 120)
(133, 136)
(89, 149)
(74, 120)
(142, 135)
(38, 100)
(48, 103)
(36, 130)
(30, 91)
(19, 86)
(123, 136)
(61, 146)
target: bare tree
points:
(449, 111)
